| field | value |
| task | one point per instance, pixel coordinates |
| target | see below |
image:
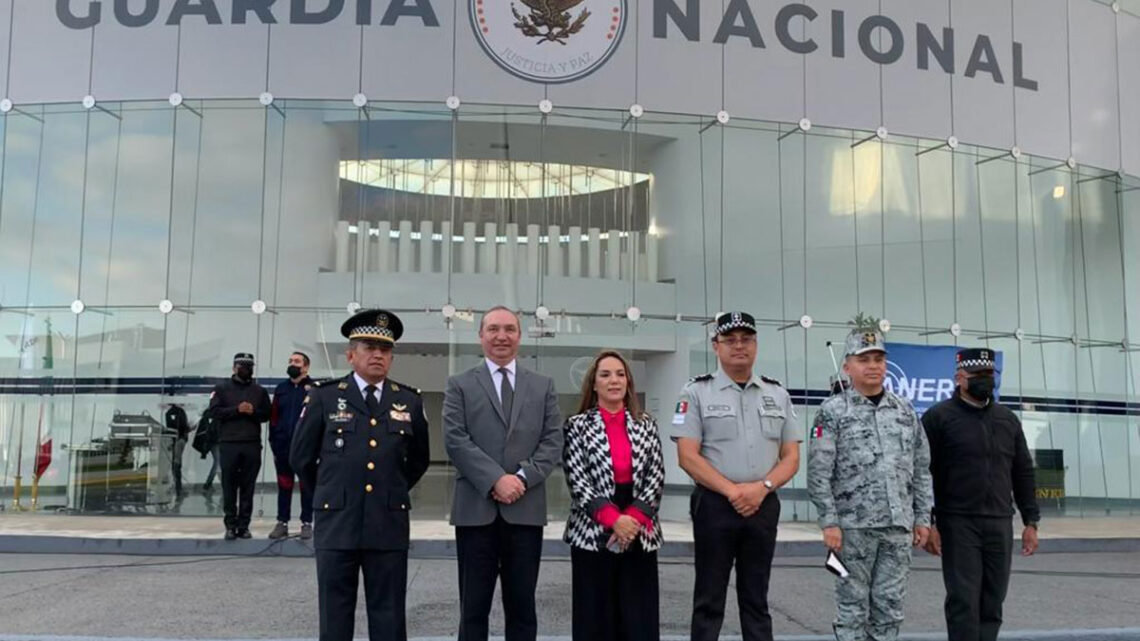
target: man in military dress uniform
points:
(869, 478)
(363, 444)
(737, 438)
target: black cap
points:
(373, 325)
(243, 358)
(729, 321)
(976, 359)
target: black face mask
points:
(244, 372)
(293, 371)
(981, 387)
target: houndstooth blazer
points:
(589, 468)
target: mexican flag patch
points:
(682, 407)
(817, 431)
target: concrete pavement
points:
(236, 597)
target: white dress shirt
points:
(361, 383)
(497, 376)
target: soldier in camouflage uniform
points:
(869, 478)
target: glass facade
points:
(164, 227)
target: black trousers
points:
(285, 483)
(240, 464)
(485, 553)
(977, 553)
(615, 595)
(721, 537)
(385, 585)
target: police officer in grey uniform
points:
(737, 438)
(869, 478)
(362, 444)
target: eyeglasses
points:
(742, 341)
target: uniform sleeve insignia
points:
(817, 431)
(768, 379)
(702, 378)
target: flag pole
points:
(36, 463)
(19, 463)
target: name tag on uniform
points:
(397, 415)
(770, 403)
(718, 408)
(340, 417)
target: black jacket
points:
(288, 398)
(979, 460)
(361, 467)
(233, 426)
(176, 422)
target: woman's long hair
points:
(589, 397)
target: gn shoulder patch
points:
(702, 378)
(769, 379)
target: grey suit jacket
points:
(484, 444)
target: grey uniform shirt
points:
(740, 430)
(868, 465)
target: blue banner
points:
(924, 374)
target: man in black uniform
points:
(362, 444)
(240, 406)
(979, 459)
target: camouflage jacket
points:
(869, 466)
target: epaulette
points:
(396, 386)
(768, 379)
(702, 378)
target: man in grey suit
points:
(503, 432)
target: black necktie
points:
(371, 401)
(506, 393)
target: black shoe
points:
(244, 533)
(231, 534)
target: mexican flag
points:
(43, 432)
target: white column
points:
(445, 247)
(383, 246)
(574, 253)
(342, 237)
(363, 246)
(554, 251)
(467, 250)
(594, 253)
(651, 258)
(488, 261)
(632, 259)
(510, 262)
(533, 267)
(405, 254)
(613, 255)
(427, 247)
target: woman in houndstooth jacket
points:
(615, 470)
